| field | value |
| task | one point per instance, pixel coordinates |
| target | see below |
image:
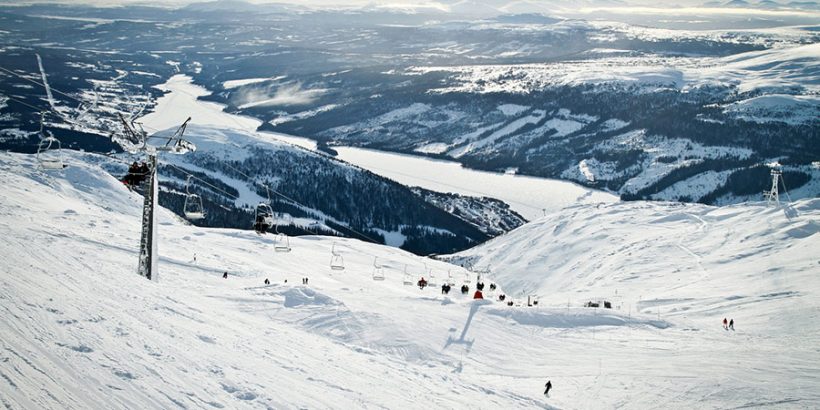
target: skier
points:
(548, 386)
(225, 275)
(510, 303)
(445, 289)
(732, 324)
(464, 289)
(492, 286)
(478, 295)
(422, 283)
(480, 285)
(267, 282)
(501, 297)
(260, 226)
(725, 324)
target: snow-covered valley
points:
(79, 329)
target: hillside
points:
(751, 259)
(81, 330)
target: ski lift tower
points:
(773, 195)
(134, 139)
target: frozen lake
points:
(529, 196)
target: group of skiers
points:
(137, 173)
(728, 325)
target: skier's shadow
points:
(461, 340)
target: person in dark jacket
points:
(548, 386)
(464, 289)
(225, 275)
(732, 324)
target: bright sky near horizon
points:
(583, 6)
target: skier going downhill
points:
(548, 386)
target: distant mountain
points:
(528, 18)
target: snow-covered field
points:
(79, 329)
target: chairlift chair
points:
(337, 262)
(467, 278)
(50, 153)
(378, 271)
(264, 218)
(408, 278)
(431, 279)
(450, 280)
(282, 243)
(192, 208)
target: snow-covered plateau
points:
(80, 329)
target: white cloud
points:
(288, 94)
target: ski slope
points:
(79, 328)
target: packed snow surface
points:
(79, 328)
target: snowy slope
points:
(691, 265)
(79, 329)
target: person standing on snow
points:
(732, 324)
(725, 324)
(548, 386)
(225, 275)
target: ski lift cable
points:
(227, 164)
(229, 195)
(41, 84)
(293, 200)
(215, 188)
(37, 109)
(53, 109)
(42, 110)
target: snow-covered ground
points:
(79, 329)
(690, 265)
